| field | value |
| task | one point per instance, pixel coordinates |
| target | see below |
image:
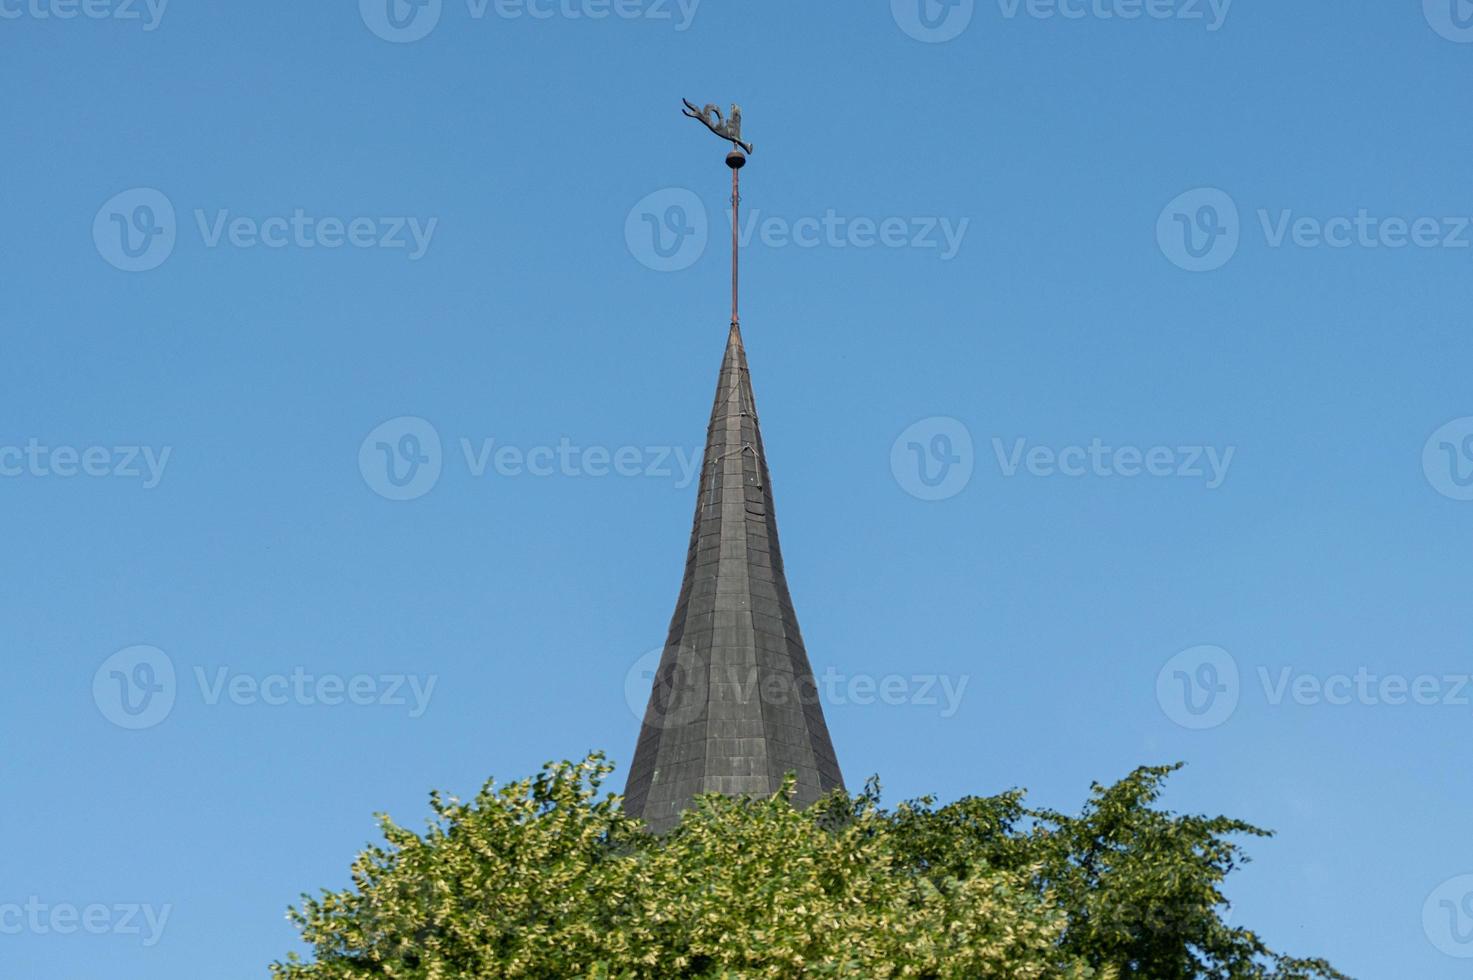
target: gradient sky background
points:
(532, 317)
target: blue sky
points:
(1113, 374)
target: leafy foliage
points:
(545, 878)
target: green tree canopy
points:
(546, 878)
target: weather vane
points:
(728, 128)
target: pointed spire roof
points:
(734, 705)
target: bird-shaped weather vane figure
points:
(728, 128)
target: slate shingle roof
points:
(734, 705)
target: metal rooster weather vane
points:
(728, 128)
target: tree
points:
(546, 878)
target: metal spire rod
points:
(728, 128)
(735, 160)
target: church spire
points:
(734, 706)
